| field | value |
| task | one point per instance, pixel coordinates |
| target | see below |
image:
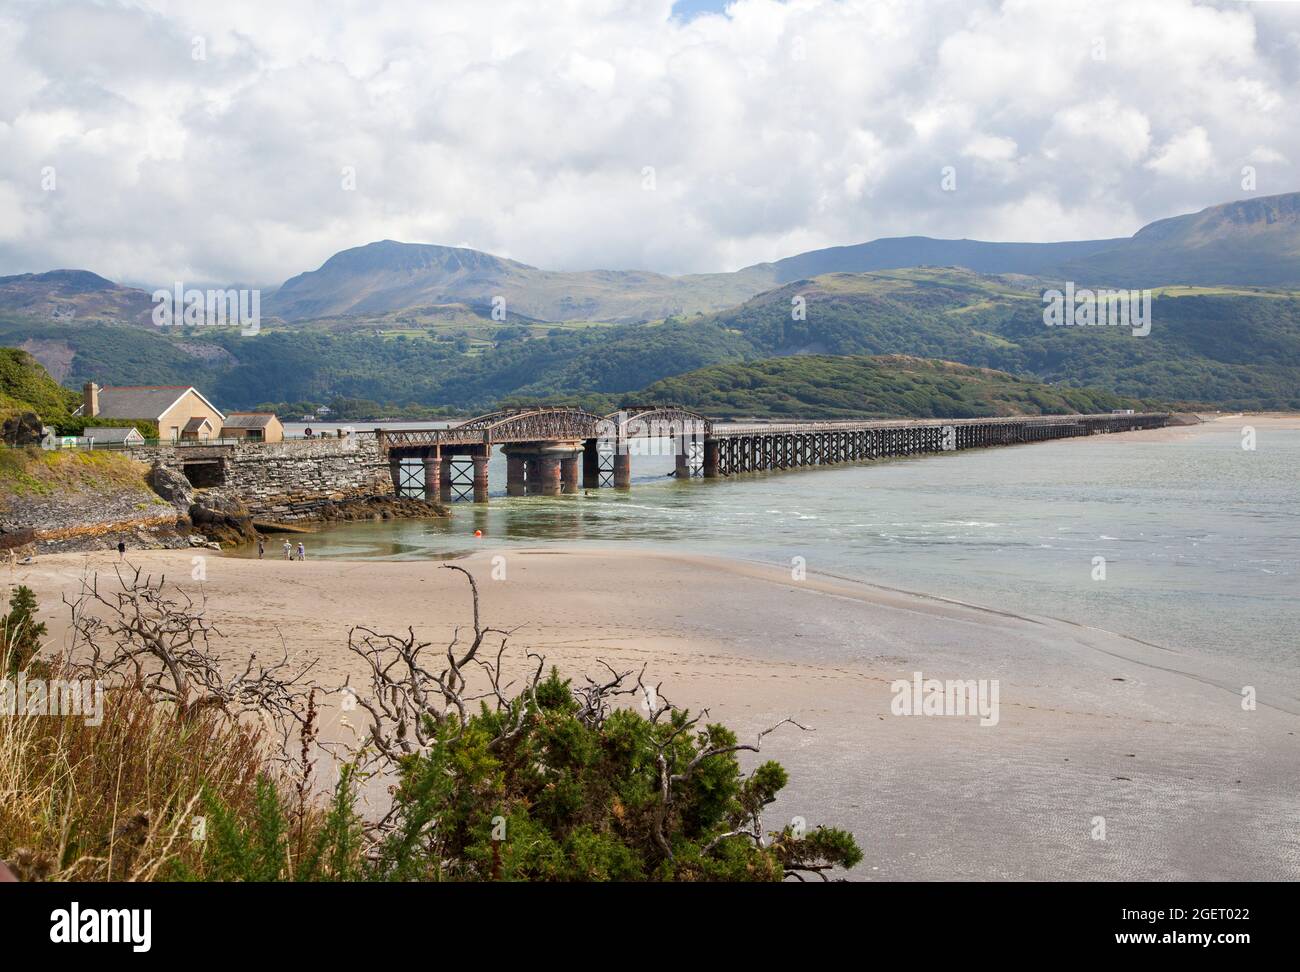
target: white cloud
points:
(523, 128)
(1187, 155)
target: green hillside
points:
(27, 387)
(1231, 348)
(820, 386)
(1222, 347)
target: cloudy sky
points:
(247, 140)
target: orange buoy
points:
(478, 533)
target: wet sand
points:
(1091, 724)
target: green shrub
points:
(20, 632)
(540, 791)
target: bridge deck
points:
(545, 447)
(721, 431)
(575, 425)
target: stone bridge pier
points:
(542, 468)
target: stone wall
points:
(285, 481)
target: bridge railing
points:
(558, 424)
(722, 430)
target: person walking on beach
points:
(261, 546)
(121, 549)
(302, 551)
(288, 551)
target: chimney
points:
(90, 400)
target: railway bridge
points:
(555, 450)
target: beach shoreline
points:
(1091, 723)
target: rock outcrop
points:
(222, 519)
(171, 486)
(21, 429)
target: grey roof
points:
(196, 423)
(103, 434)
(249, 420)
(138, 402)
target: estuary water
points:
(1199, 537)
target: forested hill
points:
(1207, 347)
(25, 386)
(820, 386)
(1229, 347)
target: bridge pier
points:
(432, 463)
(516, 484)
(622, 467)
(444, 479)
(481, 475)
(710, 458)
(541, 468)
(550, 470)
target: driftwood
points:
(156, 638)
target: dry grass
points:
(115, 802)
(32, 471)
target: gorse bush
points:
(270, 841)
(544, 789)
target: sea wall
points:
(293, 480)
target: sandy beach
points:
(1091, 724)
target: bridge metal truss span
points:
(497, 428)
(539, 425)
(657, 422)
(759, 448)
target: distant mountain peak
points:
(395, 255)
(1228, 218)
(73, 295)
(63, 281)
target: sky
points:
(246, 141)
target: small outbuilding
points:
(254, 426)
(109, 436)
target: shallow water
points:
(1201, 538)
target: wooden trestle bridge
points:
(543, 446)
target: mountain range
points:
(1253, 242)
(410, 326)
